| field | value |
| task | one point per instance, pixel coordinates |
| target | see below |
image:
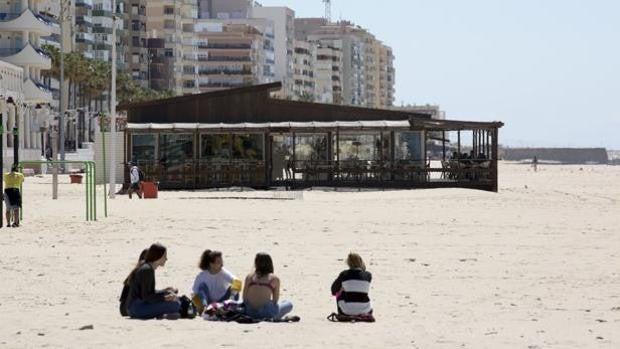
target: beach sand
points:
(536, 265)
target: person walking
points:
(12, 195)
(134, 178)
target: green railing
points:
(91, 185)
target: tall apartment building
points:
(304, 74)
(224, 9)
(328, 72)
(173, 21)
(367, 64)
(283, 19)
(22, 28)
(232, 55)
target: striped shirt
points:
(351, 291)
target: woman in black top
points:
(143, 301)
(352, 286)
(125, 292)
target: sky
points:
(549, 69)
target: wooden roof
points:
(253, 104)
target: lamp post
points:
(113, 108)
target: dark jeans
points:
(140, 309)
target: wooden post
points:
(443, 143)
(268, 157)
(330, 155)
(494, 158)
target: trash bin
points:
(76, 178)
(149, 190)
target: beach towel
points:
(231, 310)
(335, 317)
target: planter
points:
(76, 178)
(149, 190)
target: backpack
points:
(141, 176)
(335, 317)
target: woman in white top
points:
(213, 283)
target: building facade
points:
(367, 77)
(232, 55)
(23, 25)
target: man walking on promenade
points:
(134, 178)
(12, 196)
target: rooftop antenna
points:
(328, 10)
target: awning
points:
(311, 125)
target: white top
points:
(134, 175)
(216, 283)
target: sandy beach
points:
(536, 265)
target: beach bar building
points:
(243, 137)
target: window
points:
(409, 146)
(169, 53)
(143, 147)
(176, 148)
(215, 146)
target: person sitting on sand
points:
(214, 283)
(125, 292)
(261, 292)
(143, 301)
(351, 287)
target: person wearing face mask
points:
(144, 301)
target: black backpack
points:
(141, 176)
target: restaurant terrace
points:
(243, 137)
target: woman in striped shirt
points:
(351, 288)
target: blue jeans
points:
(143, 310)
(269, 310)
(203, 293)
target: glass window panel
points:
(215, 146)
(143, 147)
(175, 147)
(247, 146)
(409, 146)
(311, 146)
(365, 146)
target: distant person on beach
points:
(535, 163)
(134, 179)
(125, 292)
(214, 283)
(261, 292)
(143, 301)
(12, 196)
(352, 286)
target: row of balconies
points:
(206, 45)
(225, 72)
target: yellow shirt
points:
(13, 180)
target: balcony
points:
(85, 38)
(225, 72)
(28, 21)
(84, 3)
(102, 13)
(26, 56)
(224, 46)
(84, 20)
(224, 59)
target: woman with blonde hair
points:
(352, 286)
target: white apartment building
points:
(283, 19)
(21, 30)
(367, 77)
(231, 55)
